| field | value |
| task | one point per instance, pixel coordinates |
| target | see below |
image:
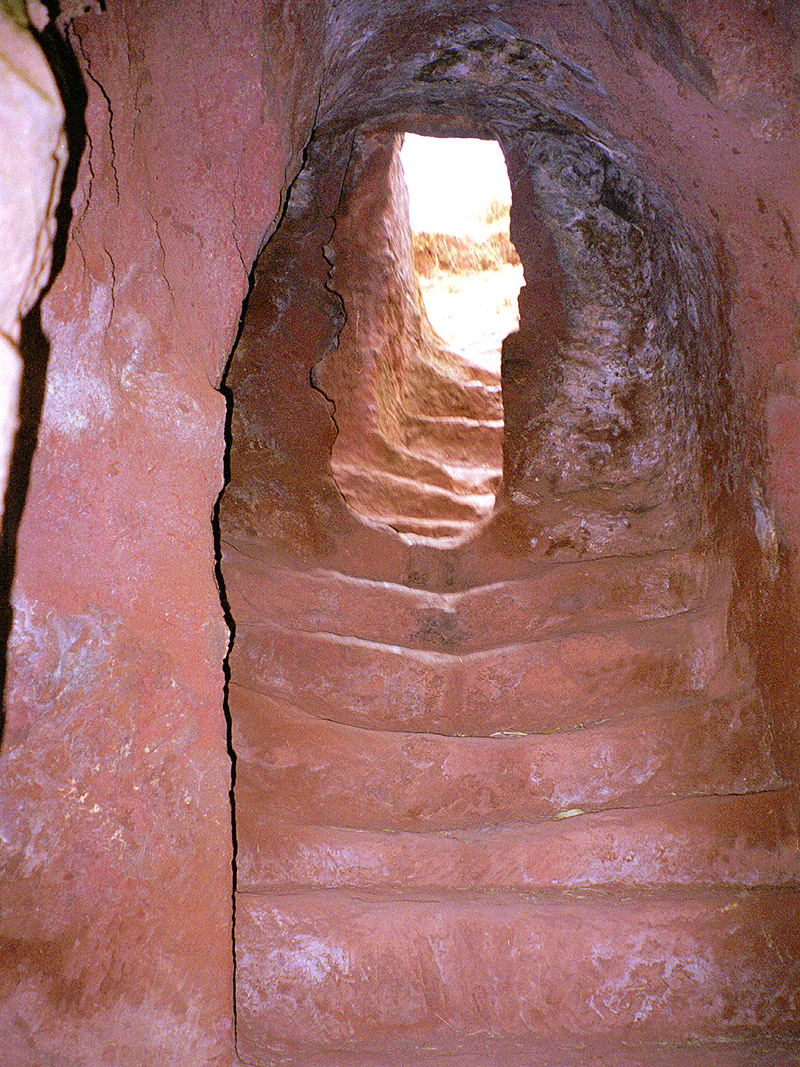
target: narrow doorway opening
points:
(467, 266)
(429, 277)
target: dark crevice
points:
(34, 345)
(230, 622)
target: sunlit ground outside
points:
(468, 269)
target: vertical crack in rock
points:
(88, 68)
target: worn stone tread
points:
(388, 454)
(740, 840)
(423, 472)
(459, 440)
(328, 968)
(774, 1049)
(552, 683)
(380, 493)
(454, 422)
(553, 600)
(305, 769)
(432, 530)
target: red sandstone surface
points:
(525, 795)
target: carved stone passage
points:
(523, 790)
(528, 799)
(419, 428)
(426, 777)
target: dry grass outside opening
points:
(487, 246)
(470, 282)
(444, 253)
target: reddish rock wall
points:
(116, 830)
(674, 121)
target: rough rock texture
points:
(530, 792)
(116, 826)
(425, 779)
(438, 747)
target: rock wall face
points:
(116, 825)
(435, 748)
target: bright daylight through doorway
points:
(468, 269)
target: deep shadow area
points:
(34, 346)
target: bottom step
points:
(768, 1050)
(325, 971)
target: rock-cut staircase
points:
(441, 475)
(477, 823)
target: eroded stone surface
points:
(366, 683)
(116, 830)
(652, 966)
(653, 152)
(735, 840)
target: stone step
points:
(382, 454)
(377, 493)
(480, 371)
(553, 683)
(456, 482)
(555, 599)
(742, 840)
(454, 439)
(327, 970)
(303, 769)
(778, 1048)
(442, 395)
(432, 530)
